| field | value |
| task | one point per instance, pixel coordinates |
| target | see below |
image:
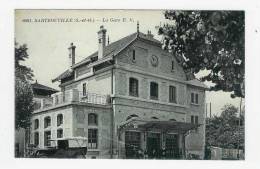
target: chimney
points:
(71, 54)
(149, 34)
(101, 42)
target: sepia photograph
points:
(130, 84)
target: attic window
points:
(173, 65)
(133, 56)
(84, 89)
(93, 59)
(156, 118)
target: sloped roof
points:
(110, 50)
(117, 46)
(65, 74)
(196, 82)
(37, 85)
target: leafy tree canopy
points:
(23, 89)
(21, 71)
(223, 131)
(208, 40)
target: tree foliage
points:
(23, 89)
(21, 71)
(208, 40)
(223, 131)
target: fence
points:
(218, 153)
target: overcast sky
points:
(48, 42)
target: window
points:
(195, 119)
(47, 137)
(133, 87)
(92, 138)
(131, 116)
(36, 138)
(92, 119)
(56, 99)
(154, 117)
(84, 89)
(133, 56)
(195, 98)
(192, 119)
(171, 141)
(59, 133)
(47, 122)
(59, 119)
(36, 124)
(154, 91)
(132, 143)
(172, 94)
(173, 65)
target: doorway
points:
(153, 145)
(132, 144)
(172, 146)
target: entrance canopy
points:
(165, 126)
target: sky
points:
(48, 41)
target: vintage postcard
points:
(130, 84)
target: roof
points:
(110, 50)
(39, 86)
(65, 74)
(117, 46)
(196, 82)
(144, 124)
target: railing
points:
(94, 98)
(41, 103)
(69, 96)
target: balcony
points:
(71, 96)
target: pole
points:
(210, 110)
(239, 119)
(206, 113)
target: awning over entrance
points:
(165, 126)
(168, 125)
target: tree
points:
(21, 71)
(208, 40)
(23, 89)
(223, 131)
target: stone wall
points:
(66, 111)
(80, 128)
